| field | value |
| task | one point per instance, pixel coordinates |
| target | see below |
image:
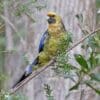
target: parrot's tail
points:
(20, 80)
(27, 72)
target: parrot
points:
(50, 44)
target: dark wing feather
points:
(43, 40)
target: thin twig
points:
(81, 40)
(13, 27)
(30, 17)
(36, 73)
(9, 22)
(79, 91)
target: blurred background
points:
(22, 23)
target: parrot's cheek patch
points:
(51, 20)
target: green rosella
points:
(50, 44)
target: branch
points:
(30, 17)
(9, 22)
(13, 27)
(40, 70)
(82, 39)
(34, 74)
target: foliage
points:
(85, 71)
(2, 48)
(87, 68)
(48, 91)
(98, 3)
(25, 8)
(1, 7)
(2, 80)
(6, 96)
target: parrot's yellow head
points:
(53, 18)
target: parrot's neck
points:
(55, 30)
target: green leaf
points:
(48, 92)
(98, 3)
(95, 76)
(98, 59)
(74, 87)
(69, 37)
(82, 62)
(94, 42)
(92, 60)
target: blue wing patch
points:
(43, 40)
(28, 69)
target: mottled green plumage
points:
(55, 42)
